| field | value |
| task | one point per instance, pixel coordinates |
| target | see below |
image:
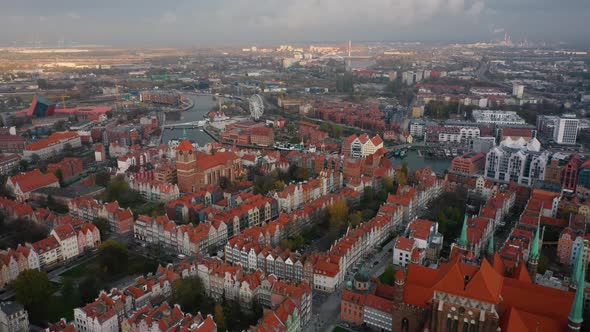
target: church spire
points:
(535, 247)
(491, 249)
(575, 317)
(534, 254)
(184, 136)
(579, 268)
(463, 239)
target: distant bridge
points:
(187, 125)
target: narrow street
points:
(326, 307)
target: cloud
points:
(73, 15)
(168, 18)
(157, 22)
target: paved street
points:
(326, 307)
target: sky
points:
(249, 22)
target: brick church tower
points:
(186, 166)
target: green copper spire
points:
(578, 272)
(184, 137)
(491, 249)
(463, 239)
(576, 313)
(535, 247)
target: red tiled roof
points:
(32, 180)
(185, 145)
(405, 244)
(51, 140)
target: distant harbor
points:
(202, 104)
(421, 158)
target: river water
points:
(415, 162)
(202, 105)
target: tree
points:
(32, 289)
(402, 175)
(388, 277)
(103, 226)
(70, 293)
(338, 213)
(387, 184)
(219, 317)
(112, 257)
(102, 178)
(89, 287)
(356, 218)
(24, 164)
(189, 293)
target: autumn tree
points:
(338, 214)
(402, 175)
(219, 317)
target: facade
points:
(68, 167)
(566, 130)
(12, 143)
(13, 317)
(68, 240)
(498, 117)
(9, 163)
(155, 191)
(21, 185)
(516, 162)
(53, 145)
(469, 163)
(96, 317)
(361, 146)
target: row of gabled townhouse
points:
(21, 210)
(110, 309)
(64, 243)
(187, 208)
(287, 225)
(184, 239)
(256, 210)
(15, 261)
(231, 282)
(88, 209)
(272, 260)
(153, 190)
(323, 271)
(330, 268)
(129, 309)
(167, 318)
(295, 196)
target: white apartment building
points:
(497, 117)
(523, 165)
(68, 240)
(96, 317)
(566, 130)
(13, 317)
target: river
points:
(202, 105)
